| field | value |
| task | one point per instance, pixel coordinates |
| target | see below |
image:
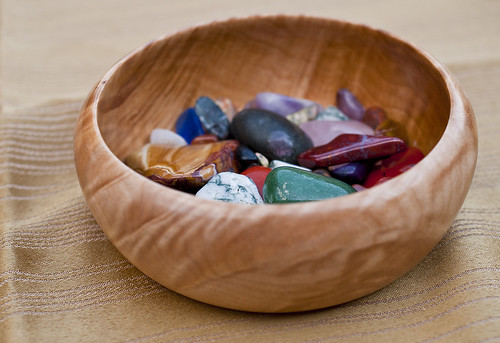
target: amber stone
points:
(185, 168)
(349, 148)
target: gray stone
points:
(271, 134)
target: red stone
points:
(393, 166)
(374, 116)
(349, 148)
(258, 175)
(204, 139)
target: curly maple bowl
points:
(276, 258)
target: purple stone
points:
(349, 104)
(351, 173)
(279, 103)
(322, 132)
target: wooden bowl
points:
(276, 258)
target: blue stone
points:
(188, 125)
(212, 118)
(246, 156)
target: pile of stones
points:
(277, 149)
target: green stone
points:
(287, 184)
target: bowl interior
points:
(298, 56)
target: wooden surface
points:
(62, 280)
(239, 257)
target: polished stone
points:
(188, 125)
(227, 106)
(263, 161)
(331, 113)
(167, 138)
(322, 171)
(358, 187)
(279, 103)
(204, 139)
(288, 185)
(277, 163)
(350, 148)
(270, 134)
(322, 132)
(374, 116)
(351, 173)
(231, 187)
(301, 116)
(212, 118)
(258, 175)
(349, 104)
(185, 168)
(393, 166)
(246, 157)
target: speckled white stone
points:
(331, 113)
(231, 187)
(306, 114)
(278, 163)
(167, 138)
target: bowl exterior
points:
(278, 258)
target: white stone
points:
(278, 163)
(167, 138)
(231, 187)
(262, 159)
(331, 113)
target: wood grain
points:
(276, 258)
